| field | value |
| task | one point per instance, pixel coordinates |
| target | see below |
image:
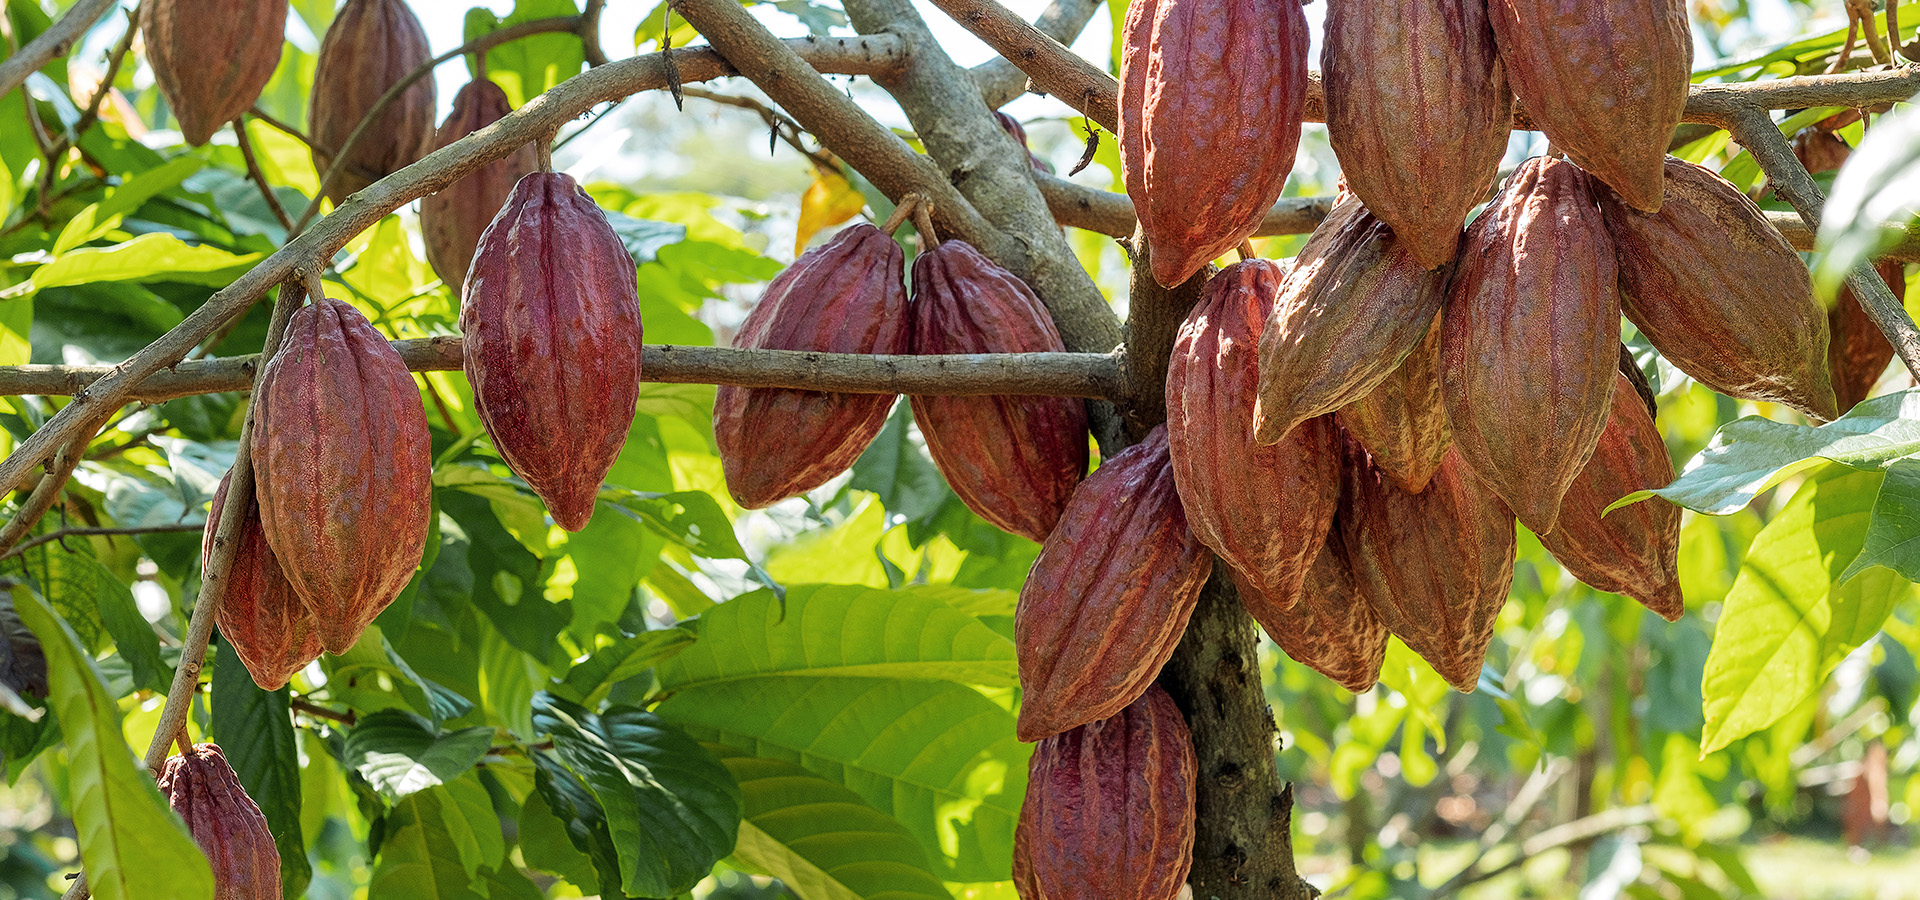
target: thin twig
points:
(258, 177)
(1846, 50)
(1572, 834)
(301, 705)
(784, 128)
(51, 536)
(284, 128)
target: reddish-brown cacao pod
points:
(1436, 565)
(1211, 96)
(1721, 293)
(1857, 351)
(211, 58)
(1606, 81)
(846, 296)
(1530, 339)
(1109, 596)
(551, 314)
(1354, 305)
(1109, 808)
(1820, 150)
(261, 615)
(1332, 630)
(1013, 460)
(342, 467)
(1418, 113)
(370, 46)
(1402, 422)
(1635, 549)
(225, 822)
(1263, 509)
(452, 219)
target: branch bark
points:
(1043, 57)
(1000, 81)
(52, 43)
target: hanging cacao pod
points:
(1211, 97)
(211, 58)
(260, 614)
(452, 218)
(551, 314)
(1857, 351)
(225, 822)
(1721, 294)
(1531, 338)
(1333, 630)
(1402, 422)
(1109, 596)
(1607, 82)
(1263, 509)
(1418, 113)
(846, 296)
(370, 46)
(1354, 305)
(1013, 460)
(1109, 808)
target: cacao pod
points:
(1332, 630)
(1355, 304)
(1263, 509)
(551, 314)
(1633, 550)
(342, 466)
(846, 296)
(1211, 97)
(1109, 596)
(1820, 150)
(1109, 808)
(1402, 422)
(1530, 339)
(260, 614)
(1857, 352)
(370, 46)
(225, 822)
(1721, 294)
(211, 58)
(1436, 565)
(1013, 460)
(1606, 80)
(1418, 113)
(452, 219)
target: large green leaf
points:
(419, 859)
(588, 681)
(400, 753)
(583, 820)
(158, 256)
(96, 220)
(529, 66)
(1893, 533)
(255, 729)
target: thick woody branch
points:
(1027, 48)
(52, 43)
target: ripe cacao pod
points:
(1402, 422)
(1211, 96)
(370, 46)
(1531, 338)
(1606, 80)
(1857, 352)
(452, 219)
(1418, 112)
(1109, 596)
(1263, 509)
(1013, 460)
(551, 314)
(260, 614)
(1109, 808)
(1436, 565)
(846, 296)
(1355, 304)
(1721, 294)
(342, 468)
(225, 822)
(1635, 549)
(211, 58)
(1333, 630)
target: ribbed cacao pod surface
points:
(1109, 596)
(260, 614)
(1109, 810)
(1530, 338)
(1635, 549)
(1418, 112)
(1606, 80)
(551, 314)
(370, 46)
(1263, 509)
(225, 822)
(211, 58)
(1857, 352)
(1354, 305)
(452, 219)
(1436, 566)
(1211, 95)
(1013, 460)
(1402, 422)
(342, 466)
(1721, 294)
(1333, 630)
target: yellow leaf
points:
(829, 201)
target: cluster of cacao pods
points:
(225, 822)
(212, 58)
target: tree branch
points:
(258, 177)
(1000, 80)
(52, 43)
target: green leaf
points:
(158, 256)
(255, 730)
(530, 65)
(587, 682)
(546, 846)
(93, 222)
(644, 237)
(131, 843)
(897, 467)
(418, 858)
(132, 635)
(1877, 187)
(1893, 533)
(472, 823)
(583, 820)
(400, 753)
